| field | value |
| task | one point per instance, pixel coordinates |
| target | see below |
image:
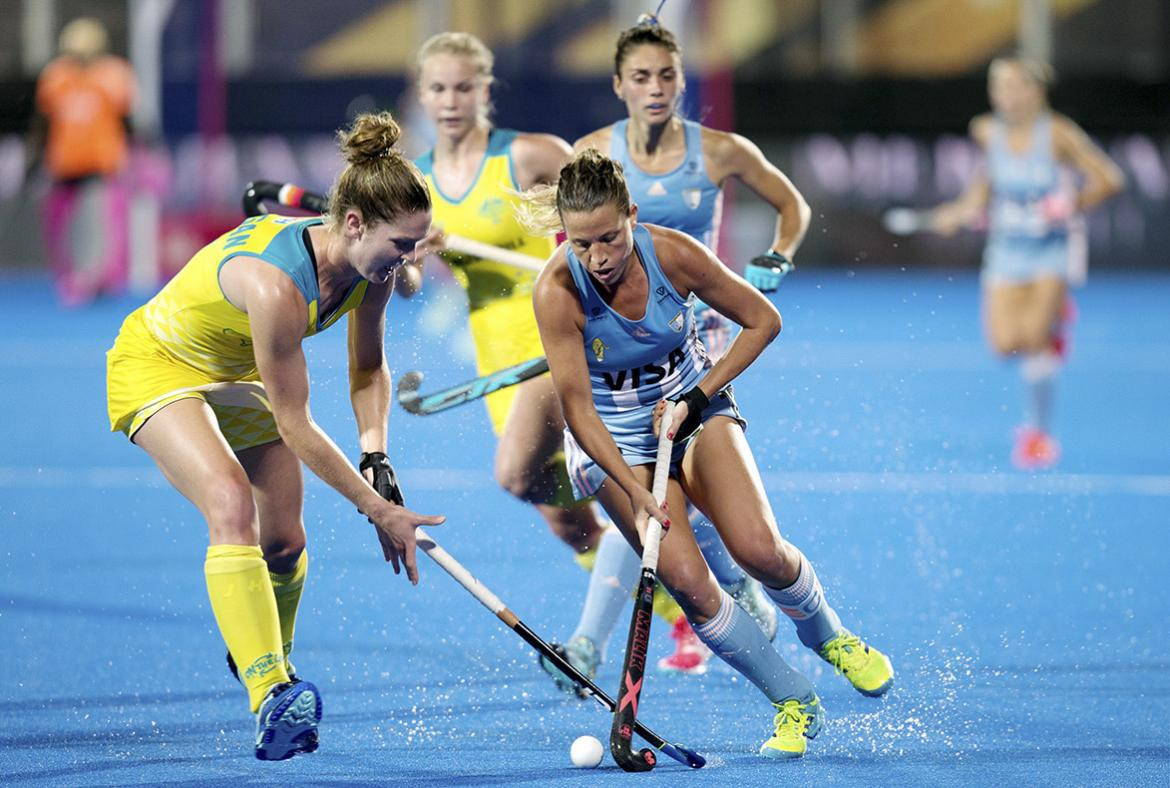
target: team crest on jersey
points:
(692, 198)
(599, 349)
(493, 209)
(677, 322)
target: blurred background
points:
(864, 103)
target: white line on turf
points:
(867, 483)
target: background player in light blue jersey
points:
(1032, 204)
(615, 314)
(675, 170)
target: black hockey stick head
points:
(620, 739)
(408, 396)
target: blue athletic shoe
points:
(581, 653)
(287, 721)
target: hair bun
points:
(372, 136)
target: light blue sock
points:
(723, 566)
(804, 602)
(739, 641)
(615, 573)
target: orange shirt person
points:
(85, 97)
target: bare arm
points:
(369, 375)
(538, 158)
(595, 139)
(692, 267)
(1103, 178)
(560, 319)
(278, 315)
(734, 156)
(968, 209)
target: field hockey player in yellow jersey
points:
(210, 379)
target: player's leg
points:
(1020, 318)
(57, 214)
(720, 476)
(1043, 357)
(529, 465)
(717, 333)
(723, 626)
(1002, 307)
(185, 442)
(278, 489)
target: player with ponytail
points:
(210, 379)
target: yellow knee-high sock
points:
(245, 609)
(664, 604)
(287, 588)
(586, 559)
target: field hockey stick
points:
(293, 196)
(907, 221)
(493, 603)
(445, 399)
(625, 716)
(497, 254)
(287, 194)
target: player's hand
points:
(395, 526)
(1057, 210)
(644, 506)
(687, 417)
(765, 271)
(680, 414)
(433, 242)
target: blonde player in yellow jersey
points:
(474, 173)
(209, 378)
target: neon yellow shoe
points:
(868, 670)
(796, 723)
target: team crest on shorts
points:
(677, 322)
(599, 349)
(692, 198)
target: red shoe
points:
(1035, 450)
(690, 654)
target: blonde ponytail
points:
(586, 183)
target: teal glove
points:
(765, 271)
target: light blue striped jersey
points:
(1021, 241)
(684, 199)
(635, 363)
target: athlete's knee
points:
(774, 562)
(282, 552)
(231, 512)
(1004, 341)
(576, 527)
(514, 478)
(692, 585)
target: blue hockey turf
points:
(1023, 611)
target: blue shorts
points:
(586, 476)
(1019, 260)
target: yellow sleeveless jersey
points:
(189, 338)
(486, 213)
(499, 296)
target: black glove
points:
(385, 482)
(696, 403)
(765, 271)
